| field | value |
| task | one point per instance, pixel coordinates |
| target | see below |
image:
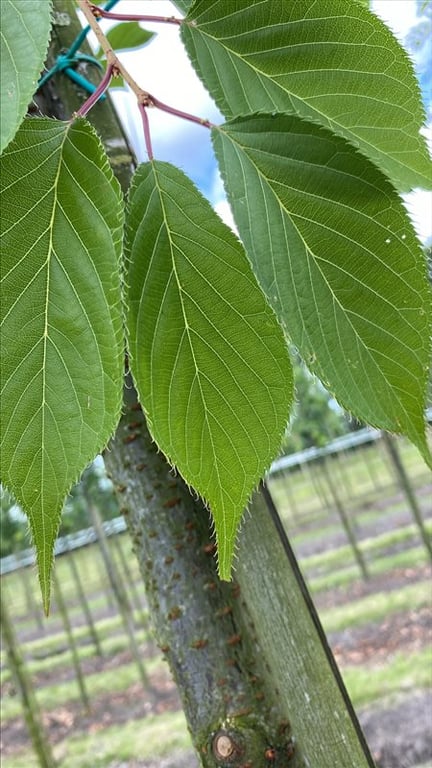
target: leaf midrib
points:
(344, 206)
(186, 323)
(215, 329)
(308, 250)
(323, 119)
(44, 404)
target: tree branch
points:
(86, 7)
(102, 13)
(114, 64)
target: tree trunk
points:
(201, 624)
(76, 662)
(257, 681)
(250, 659)
(390, 443)
(120, 595)
(60, 97)
(32, 716)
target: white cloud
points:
(399, 15)
(224, 211)
(419, 207)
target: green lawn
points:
(156, 735)
(329, 569)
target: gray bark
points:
(201, 623)
(250, 659)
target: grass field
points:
(391, 546)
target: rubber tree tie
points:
(66, 61)
(83, 34)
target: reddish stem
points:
(100, 12)
(146, 126)
(152, 100)
(91, 101)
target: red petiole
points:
(153, 101)
(91, 101)
(101, 13)
(146, 126)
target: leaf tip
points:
(46, 604)
(45, 585)
(224, 571)
(45, 575)
(43, 543)
(226, 548)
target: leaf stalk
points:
(146, 126)
(142, 96)
(95, 96)
(153, 101)
(102, 13)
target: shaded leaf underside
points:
(24, 35)
(329, 61)
(336, 254)
(207, 354)
(183, 5)
(62, 340)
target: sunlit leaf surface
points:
(24, 35)
(329, 61)
(62, 340)
(337, 256)
(208, 356)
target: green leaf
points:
(126, 36)
(24, 34)
(183, 5)
(336, 254)
(208, 356)
(62, 339)
(117, 82)
(329, 61)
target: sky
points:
(162, 68)
(400, 16)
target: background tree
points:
(94, 486)
(13, 526)
(316, 417)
